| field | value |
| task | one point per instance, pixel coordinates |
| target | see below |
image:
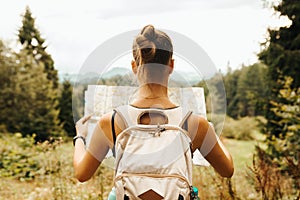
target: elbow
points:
(81, 177)
(80, 174)
(228, 173)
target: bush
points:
(20, 157)
(269, 179)
(244, 128)
(3, 128)
(16, 157)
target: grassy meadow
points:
(44, 171)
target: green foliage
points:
(28, 101)
(245, 128)
(36, 101)
(44, 171)
(251, 90)
(282, 56)
(119, 80)
(241, 129)
(17, 157)
(231, 84)
(246, 91)
(214, 94)
(21, 158)
(34, 44)
(66, 111)
(287, 145)
(8, 70)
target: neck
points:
(153, 91)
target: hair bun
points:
(146, 47)
(152, 46)
(149, 32)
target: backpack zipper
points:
(153, 176)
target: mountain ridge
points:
(177, 76)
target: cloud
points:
(227, 29)
(138, 8)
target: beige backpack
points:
(153, 162)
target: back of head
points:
(152, 51)
(152, 46)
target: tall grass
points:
(44, 171)
(52, 174)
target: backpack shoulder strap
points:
(126, 115)
(183, 124)
(113, 126)
(122, 111)
(113, 132)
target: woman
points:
(152, 64)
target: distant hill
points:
(180, 77)
(116, 71)
(185, 78)
(91, 76)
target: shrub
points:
(3, 128)
(17, 158)
(269, 179)
(20, 157)
(242, 129)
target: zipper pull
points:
(159, 130)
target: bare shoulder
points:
(105, 120)
(105, 125)
(198, 122)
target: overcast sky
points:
(230, 31)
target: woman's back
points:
(152, 65)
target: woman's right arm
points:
(87, 159)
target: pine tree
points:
(246, 91)
(30, 38)
(28, 102)
(35, 101)
(36, 88)
(282, 56)
(66, 112)
(8, 70)
(230, 82)
(289, 112)
(251, 90)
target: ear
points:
(133, 66)
(171, 66)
